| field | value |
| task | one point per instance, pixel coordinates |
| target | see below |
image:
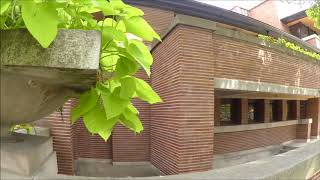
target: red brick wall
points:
(244, 140)
(130, 147)
(313, 111)
(90, 146)
(303, 131)
(182, 126)
(267, 12)
(246, 61)
(61, 131)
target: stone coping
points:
(36, 130)
(230, 33)
(243, 85)
(73, 49)
(248, 127)
(299, 163)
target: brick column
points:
(282, 108)
(217, 103)
(62, 132)
(182, 126)
(296, 109)
(266, 111)
(313, 111)
(239, 111)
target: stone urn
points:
(34, 83)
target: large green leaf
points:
(105, 134)
(139, 27)
(141, 54)
(117, 4)
(132, 121)
(105, 7)
(126, 67)
(133, 109)
(132, 11)
(4, 5)
(145, 92)
(87, 101)
(41, 19)
(112, 34)
(128, 87)
(96, 122)
(113, 104)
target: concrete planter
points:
(36, 81)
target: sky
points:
(287, 7)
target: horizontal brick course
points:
(244, 140)
(236, 59)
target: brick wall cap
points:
(235, 84)
(249, 127)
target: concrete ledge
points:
(248, 127)
(300, 163)
(81, 50)
(240, 157)
(131, 163)
(38, 131)
(305, 121)
(234, 84)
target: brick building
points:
(223, 89)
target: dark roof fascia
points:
(294, 17)
(213, 13)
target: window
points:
(256, 111)
(251, 112)
(291, 113)
(225, 112)
(275, 110)
(303, 109)
(300, 30)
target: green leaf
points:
(126, 67)
(117, 4)
(145, 92)
(139, 27)
(128, 87)
(131, 121)
(108, 63)
(105, 134)
(4, 5)
(96, 121)
(105, 7)
(87, 102)
(113, 104)
(102, 88)
(132, 11)
(133, 109)
(41, 19)
(111, 33)
(3, 21)
(141, 54)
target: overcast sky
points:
(286, 8)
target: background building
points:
(224, 91)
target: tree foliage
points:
(123, 53)
(314, 13)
